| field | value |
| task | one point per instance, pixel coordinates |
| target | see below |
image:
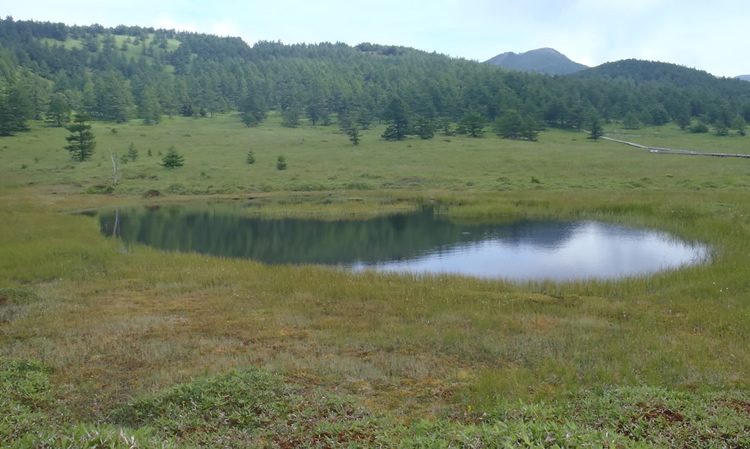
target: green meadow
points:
(322, 159)
(130, 51)
(105, 348)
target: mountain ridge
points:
(541, 60)
(116, 75)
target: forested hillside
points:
(48, 70)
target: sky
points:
(701, 34)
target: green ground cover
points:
(671, 136)
(157, 350)
(133, 51)
(323, 159)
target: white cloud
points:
(167, 22)
(225, 27)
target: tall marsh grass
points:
(150, 318)
(115, 325)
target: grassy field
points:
(323, 159)
(673, 137)
(133, 51)
(183, 349)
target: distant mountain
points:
(744, 77)
(542, 60)
(646, 72)
(641, 71)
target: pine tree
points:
(510, 125)
(631, 121)
(740, 125)
(58, 111)
(424, 128)
(682, 115)
(81, 143)
(595, 127)
(15, 108)
(530, 129)
(172, 159)
(132, 152)
(113, 96)
(316, 107)
(290, 117)
(354, 135)
(472, 124)
(252, 110)
(397, 115)
(364, 118)
(150, 109)
(445, 126)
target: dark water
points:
(421, 241)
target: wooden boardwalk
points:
(671, 151)
(697, 153)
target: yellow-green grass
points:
(671, 136)
(115, 325)
(322, 159)
(134, 51)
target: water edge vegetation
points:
(184, 349)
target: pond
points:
(421, 242)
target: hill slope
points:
(744, 77)
(124, 73)
(541, 60)
(642, 72)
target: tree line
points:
(118, 74)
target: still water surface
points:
(420, 242)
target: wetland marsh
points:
(107, 338)
(423, 241)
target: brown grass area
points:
(115, 325)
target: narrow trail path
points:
(672, 151)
